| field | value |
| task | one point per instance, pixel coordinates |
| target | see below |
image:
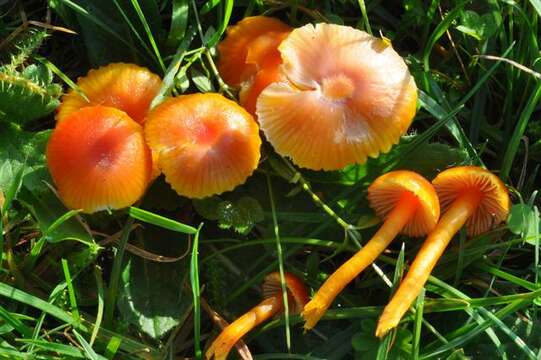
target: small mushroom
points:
(272, 305)
(98, 159)
(127, 87)
(470, 196)
(409, 205)
(250, 46)
(348, 95)
(205, 143)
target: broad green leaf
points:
(522, 221)
(151, 295)
(480, 27)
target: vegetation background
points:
(143, 283)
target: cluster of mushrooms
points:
(325, 96)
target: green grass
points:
(129, 284)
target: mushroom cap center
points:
(207, 133)
(338, 87)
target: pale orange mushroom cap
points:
(386, 191)
(99, 160)
(296, 290)
(250, 45)
(206, 144)
(494, 202)
(128, 87)
(349, 96)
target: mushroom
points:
(205, 143)
(273, 304)
(127, 87)
(409, 204)
(98, 159)
(249, 46)
(348, 95)
(468, 195)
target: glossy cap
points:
(494, 202)
(98, 159)
(297, 291)
(249, 46)
(127, 87)
(206, 144)
(386, 190)
(349, 96)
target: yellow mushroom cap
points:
(349, 96)
(99, 160)
(296, 290)
(386, 191)
(127, 87)
(250, 45)
(206, 144)
(494, 202)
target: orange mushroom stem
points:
(470, 196)
(272, 305)
(409, 204)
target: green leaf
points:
(240, 214)
(22, 100)
(523, 220)
(151, 294)
(46, 208)
(480, 27)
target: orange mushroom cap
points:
(127, 87)
(493, 205)
(249, 46)
(296, 290)
(206, 144)
(98, 159)
(349, 96)
(385, 192)
(251, 89)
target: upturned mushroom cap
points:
(349, 96)
(387, 190)
(250, 45)
(296, 290)
(206, 144)
(494, 203)
(127, 87)
(98, 159)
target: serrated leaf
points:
(238, 214)
(22, 100)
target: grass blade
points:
(161, 221)
(280, 263)
(71, 292)
(194, 282)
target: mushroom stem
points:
(393, 224)
(425, 261)
(221, 346)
